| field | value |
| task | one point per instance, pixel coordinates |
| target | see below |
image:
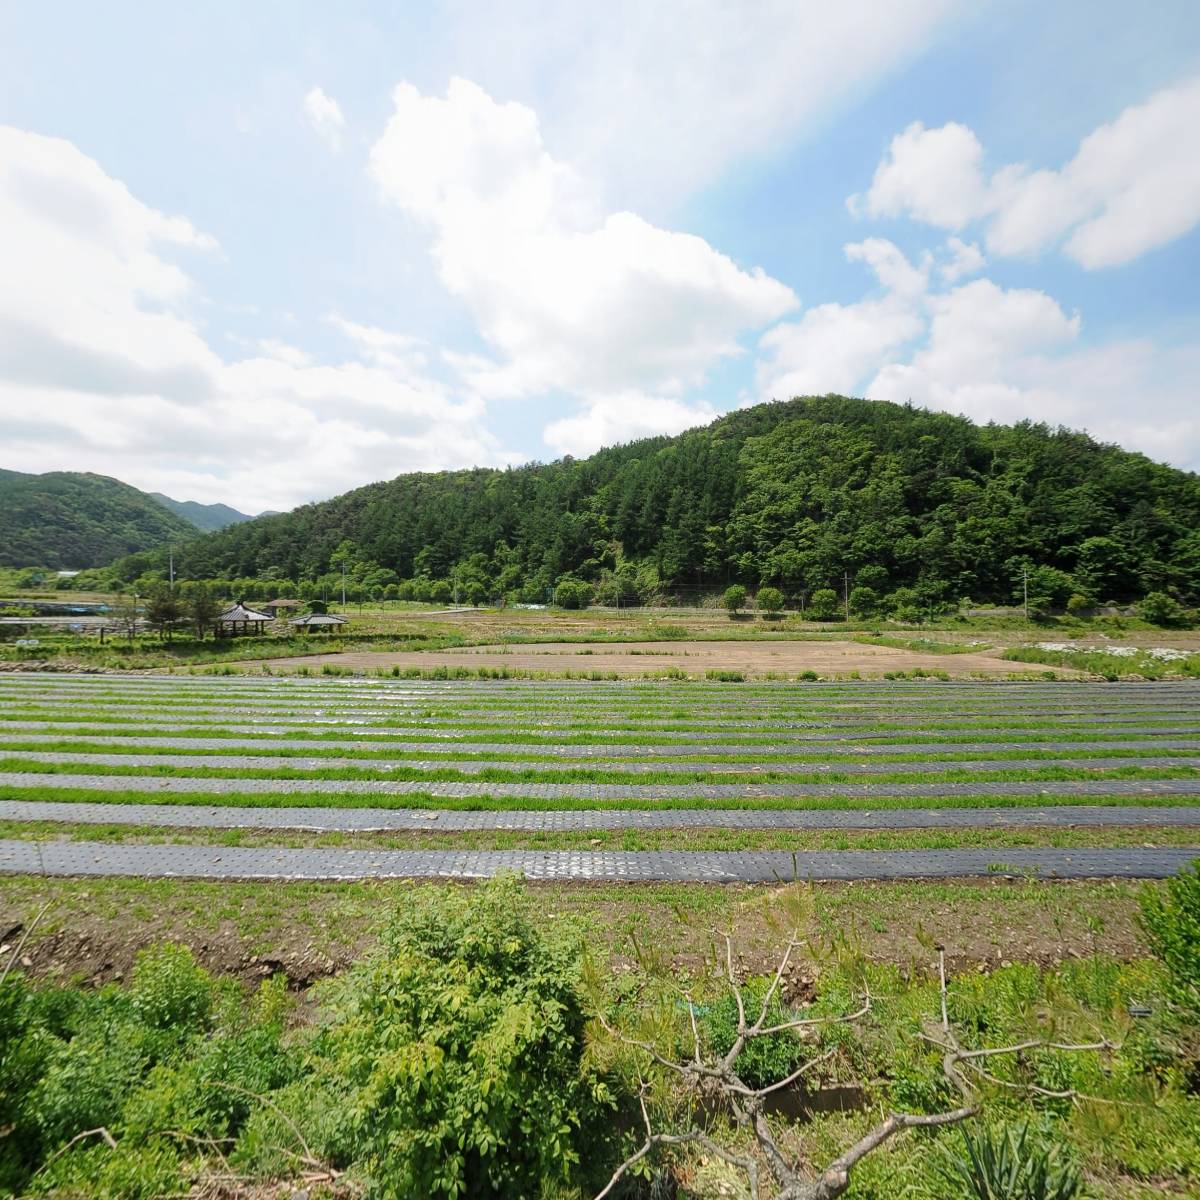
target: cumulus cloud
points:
(991, 353)
(1132, 185)
(102, 368)
(567, 297)
(834, 347)
(324, 114)
(623, 417)
(965, 258)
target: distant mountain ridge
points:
(205, 517)
(71, 520)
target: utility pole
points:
(1025, 586)
(343, 584)
(172, 569)
(846, 592)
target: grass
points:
(487, 803)
(592, 775)
(618, 839)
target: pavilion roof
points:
(318, 619)
(239, 612)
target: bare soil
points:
(94, 929)
(754, 659)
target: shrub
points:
(824, 605)
(734, 597)
(770, 600)
(1079, 605)
(765, 1060)
(453, 1063)
(1160, 609)
(1171, 919)
(573, 593)
(864, 601)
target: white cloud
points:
(965, 259)
(991, 353)
(1133, 185)
(324, 114)
(625, 417)
(931, 174)
(568, 299)
(102, 368)
(834, 347)
(657, 100)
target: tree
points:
(824, 606)
(572, 593)
(1160, 609)
(1078, 605)
(440, 592)
(125, 614)
(164, 612)
(202, 608)
(676, 1053)
(770, 600)
(734, 598)
(864, 601)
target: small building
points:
(311, 621)
(238, 619)
(280, 608)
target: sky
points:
(263, 253)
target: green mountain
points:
(69, 520)
(803, 494)
(205, 517)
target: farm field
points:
(567, 780)
(693, 658)
(274, 829)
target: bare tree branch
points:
(16, 954)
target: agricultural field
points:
(167, 838)
(651, 782)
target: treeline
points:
(803, 495)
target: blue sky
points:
(265, 253)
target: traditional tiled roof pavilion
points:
(238, 619)
(311, 621)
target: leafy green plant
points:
(1011, 1162)
(454, 1058)
(764, 1060)
(1171, 919)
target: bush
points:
(765, 1060)
(1079, 605)
(1160, 609)
(770, 600)
(864, 601)
(734, 598)
(1171, 919)
(824, 605)
(453, 1063)
(573, 593)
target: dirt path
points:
(753, 659)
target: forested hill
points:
(71, 519)
(796, 494)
